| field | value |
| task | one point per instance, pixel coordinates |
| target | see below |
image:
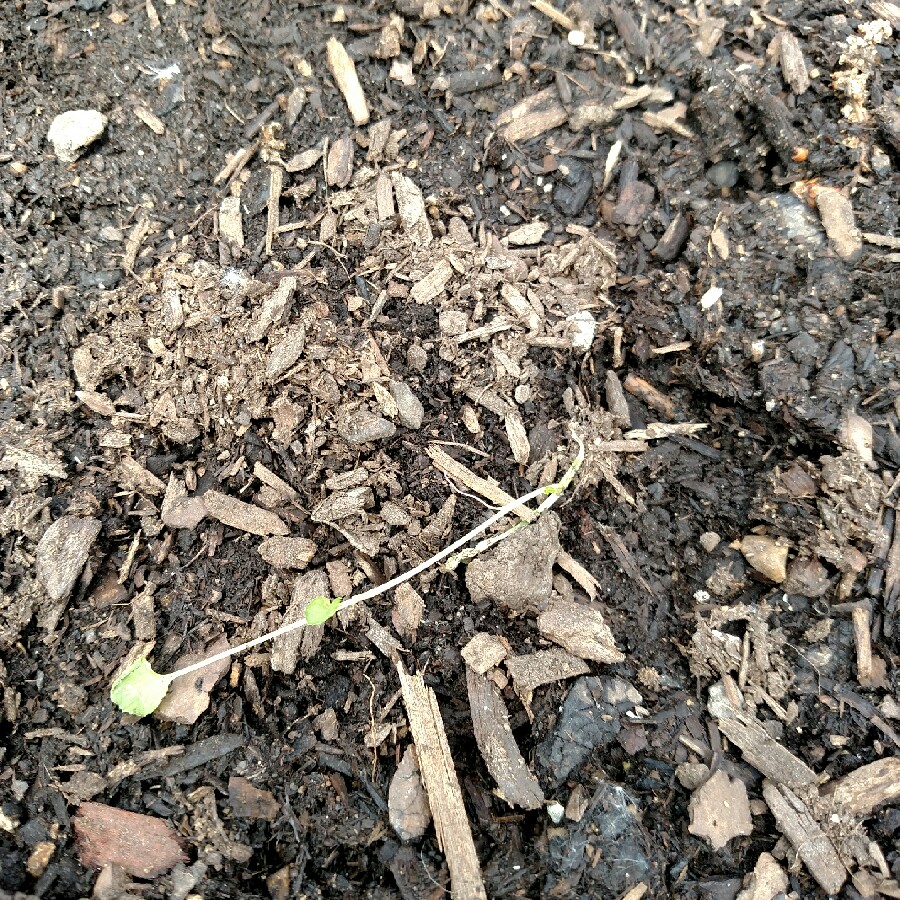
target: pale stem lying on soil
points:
(325, 610)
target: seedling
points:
(139, 690)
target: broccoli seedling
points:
(139, 690)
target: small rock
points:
(556, 811)
(518, 572)
(709, 541)
(408, 808)
(409, 406)
(766, 555)
(359, 426)
(723, 174)
(720, 810)
(250, 802)
(143, 846)
(40, 858)
(691, 775)
(71, 132)
(62, 552)
(416, 358)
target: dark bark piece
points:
(143, 846)
(635, 42)
(198, 755)
(674, 239)
(250, 802)
(490, 721)
(304, 642)
(477, 79)
(635, 196)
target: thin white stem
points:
(560, 486)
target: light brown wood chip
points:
(444, 794)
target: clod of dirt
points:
(62, 552)
(766, 555)
(249, 802)
(143, 846)
(518, 573)
(543, 667)
(720, 810)
(188, 696)
(406, 615)
(580, 629)
(71, 132)
(408, 809)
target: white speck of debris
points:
(504, 210)
(232, 278)
(584, 330)
(771, 405)
(576, 38)
(757, 350)
(701, 596)
(711, 297)
(166, 73)
(556, 811)
(548, 188)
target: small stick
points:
(862, 638)
(344, 71)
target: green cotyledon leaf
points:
(139, 690)
(320, 609)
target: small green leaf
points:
(320, 609)
(139, 690)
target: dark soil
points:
(792, 371)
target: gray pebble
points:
(411, 410)
(359, 426)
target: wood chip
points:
(143, 846)
(532, 116)
(767, 881)
(466, 476)
(584, 578)
(344, 72)
(484, 652)
(442, 786)
(287, 552)
(526, 235)
(267, 476)
(490, 721)
(432, 285)
(188, 696)
(151, 120)
(231, 224)
(720, 810)
(250, 802)
(552, 13)
(339, 167)
(864, 789)
(133, 475)
(836, 212)
(406, 616)
(273, 209)
(543, 667)
(646, 392)
(62, 552)
(581, 630)
(517, 437)
(243, 516)
(273, 308)
(862, 639)
(408, 809)
(411, 208)
(793, 66)
(811, 843)
(304, 642)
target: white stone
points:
(556, 811)
(585, 327)
(71, 132)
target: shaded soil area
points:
(258, 345)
